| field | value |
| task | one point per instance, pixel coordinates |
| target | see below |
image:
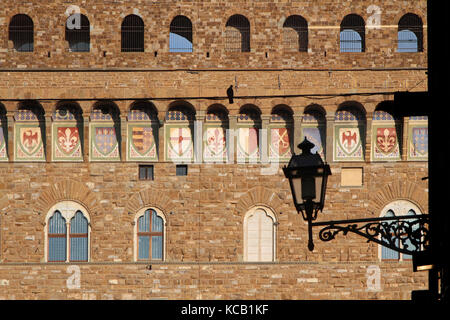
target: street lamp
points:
(308, 174)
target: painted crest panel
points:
(179, 146)
(385, 144)
(141, 142)
(215, 144)
(66, 144)
(3, 154)
(347, 143)
(248, 144)
(280, 143)
(28, 142)
(316, 135)
(418, 142)
(103, 142)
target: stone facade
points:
(204, 211)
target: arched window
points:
(57, 238)
(295, 34)
(150, 235)
(352, 36)
(78, 33)
(132, 34)
(180, 37)
(68, 233)
(21, 33)
(396, 209)
(259, 235)
(237, 34)
(78, 237)
(410, 33)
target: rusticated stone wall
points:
(205, 210)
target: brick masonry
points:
(204, 244)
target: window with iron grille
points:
(145, 172)
(150, 236)
(181, 170)
(395, 209)
(295, 34)
(132, 34)
(352, 36)
(410, 34)
(180, 37)
(78, 33)
(237, 34)
(21, 33)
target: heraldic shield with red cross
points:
(179, 144)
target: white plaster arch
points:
(260, 209)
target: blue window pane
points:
(57, 224)
(157, 223)
(78, 238)
(350, 41)
(57, 249)
(79, 249)
(144, 222)
(79, 223)
(79, 46)
(407, 41)
(408, 243)
(57, 245)
(144, 247)
(387, 253)
(179, 43)
(157, 247)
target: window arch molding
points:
(68, 209)
(398, 208)
(269, 253)
(140, 213)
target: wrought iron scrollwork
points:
(405, 234)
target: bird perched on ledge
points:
(230, 94)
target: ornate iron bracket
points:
(405, 234)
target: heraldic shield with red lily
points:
(386, 142)
(215, 144)
(68, 140)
